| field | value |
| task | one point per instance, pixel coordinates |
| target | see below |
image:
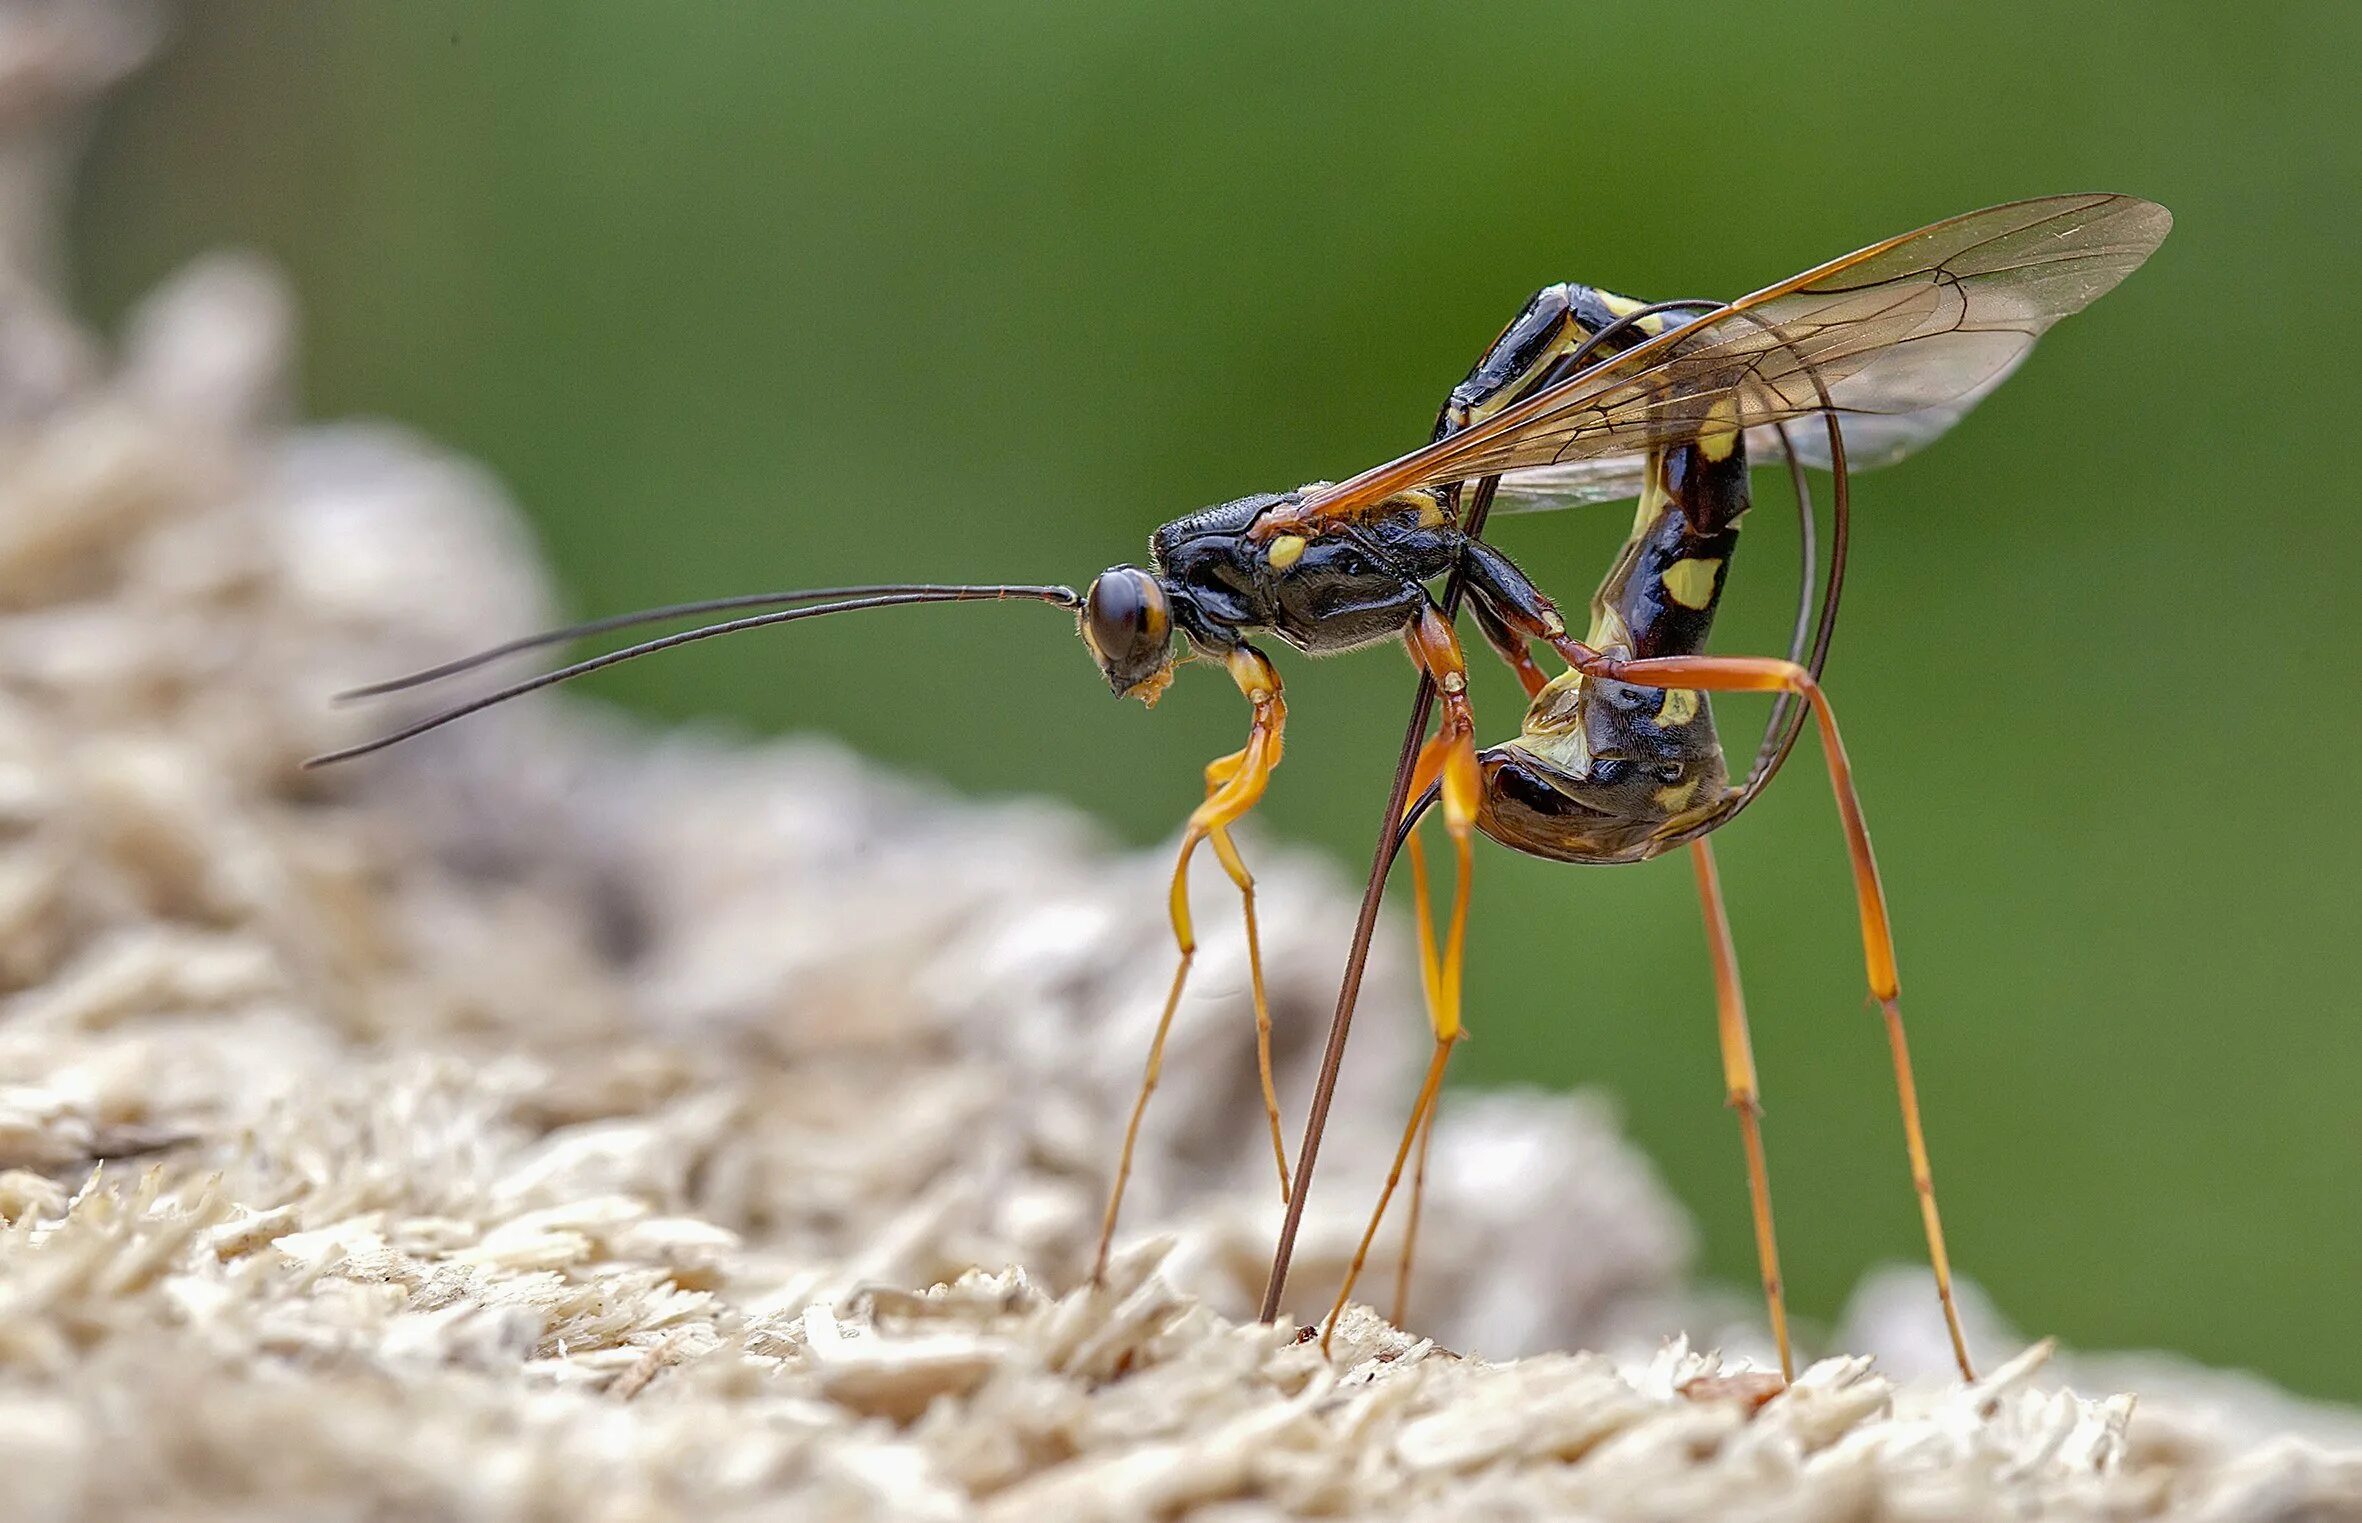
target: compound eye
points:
(1116, 613)
(1125, 611)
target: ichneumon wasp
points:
(1585, 397)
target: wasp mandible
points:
(1585, 397)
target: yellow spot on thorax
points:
(1678, 707)
(1285, 551)
(1691, 582)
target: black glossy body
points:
(1606, 771)
(1355, 585)
(1601, 771)
(1552, 324)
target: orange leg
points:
(1738, 1076)
(1738, 1055)
(1218, 773)
(1234, 784)
(1763, 674)
(1441, 991)
(1448, 756)
(1508, 641)
(1410, 1229)
(1235, 865)
(1420, 1111)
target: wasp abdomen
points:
(1659, 598)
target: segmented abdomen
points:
(1659, 597)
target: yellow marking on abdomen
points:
(1678, 707)
(1556, 710)
(1625, 306)
(1720, 434)
(1285, 551)
(1608, 630)
(1691, 582)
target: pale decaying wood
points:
(554, 1120)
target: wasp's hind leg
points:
(1762, 674)
(1510, 646)
(1233, 785)
(1738, 1075)
(1512, 611)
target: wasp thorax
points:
(1128, 625)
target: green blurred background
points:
(746, 295)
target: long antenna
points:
(589, 627)
(1063, 597)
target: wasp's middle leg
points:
(1233, 786)
(1739, 1083)
(1448, 761)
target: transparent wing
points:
(1605, 478)
(1900, 339)
(1871, 440)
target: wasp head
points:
(1128, 624)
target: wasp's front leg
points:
(1234, 784)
